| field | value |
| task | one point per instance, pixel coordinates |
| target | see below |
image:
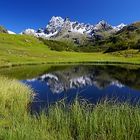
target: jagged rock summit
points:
(58, 26)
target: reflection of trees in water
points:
(129, 77)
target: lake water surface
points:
(89, 82)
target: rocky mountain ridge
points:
(58, 26)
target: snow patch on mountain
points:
(119, 27)
(11, 32)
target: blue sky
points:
(18, 15)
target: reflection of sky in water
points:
(91, 86)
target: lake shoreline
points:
(72, 63)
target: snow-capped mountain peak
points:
(55, 21)
(103, 25)
(58, 24)
(54, 25)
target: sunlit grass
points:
(79, 120)
(13, 97)
(19, 50)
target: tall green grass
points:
(76, 121)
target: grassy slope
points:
(104, 121)
(17, 49)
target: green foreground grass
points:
(78, 121)
(20, 50)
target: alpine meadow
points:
(73, 76)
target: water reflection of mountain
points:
(80, 76)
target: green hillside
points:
(127, 38)
(22, 49)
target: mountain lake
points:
(93, 83)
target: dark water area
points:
(89, 82)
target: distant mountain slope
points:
(127, 38)
(3, 30)
(104, 37)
